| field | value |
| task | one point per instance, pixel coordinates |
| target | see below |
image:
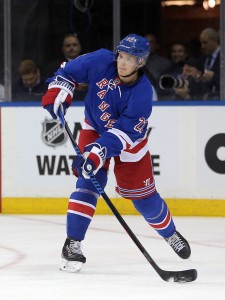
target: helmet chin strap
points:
(129, 74)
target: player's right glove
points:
(93, 159)
(59, 94)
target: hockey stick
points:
(174, 276)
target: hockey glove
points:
(59, 94)
(94, 158)
(77, 165)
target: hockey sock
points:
(155, 211)
(82, 205)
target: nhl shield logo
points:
(53, 133)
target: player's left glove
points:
(62, 99)
(59, 94)
(93, 159)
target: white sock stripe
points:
(87, 192)
(79, 213)
(161, 221)
(166, 225)
(83, 203)
(159, 214)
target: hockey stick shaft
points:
(165, 275)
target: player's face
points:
(126, 64)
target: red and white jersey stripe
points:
(86, 125)
(131, 152)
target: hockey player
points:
(117, 108)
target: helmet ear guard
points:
(141, 61)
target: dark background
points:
(38, 26)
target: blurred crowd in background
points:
(47, 33)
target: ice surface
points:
(30, 248)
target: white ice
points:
(30, 248)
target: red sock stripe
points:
(81, 208)
(165, 223)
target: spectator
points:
(178, 56)
(30, 87)
(156, 64)
(209, 39)
(193, 87)
(71, 48)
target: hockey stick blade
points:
(179, 276)
(170, 276)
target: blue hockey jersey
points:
(118, 112)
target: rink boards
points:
(187, 144)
